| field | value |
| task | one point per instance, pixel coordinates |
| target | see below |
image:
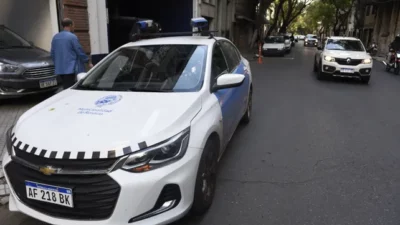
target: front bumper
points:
(138, 194)
(335, 69)
(273, 51)
(311, 43)
(18, 86)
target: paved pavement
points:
(315, 153)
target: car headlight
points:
(159, 155)
(8, 68)
(329, 58)
(367, 61)
(316, 41)
(306, 40)
(9, 141)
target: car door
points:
(233, 101)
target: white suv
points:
(343, 57)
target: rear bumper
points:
(18, 86)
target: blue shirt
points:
(67, 54)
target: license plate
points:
(346, 70)
(50, 194)
(48, 83)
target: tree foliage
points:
(324, 15)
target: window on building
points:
(374, 9)
(367, 10)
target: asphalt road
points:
(315, 152)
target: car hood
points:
(28, 57)
(348, 54)
(273, 45)
(77, 120)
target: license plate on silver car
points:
(345, 70)
(48, 83)
(50, 194)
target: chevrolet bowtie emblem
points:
(47, 170)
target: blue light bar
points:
(199, 22)
(145, 24)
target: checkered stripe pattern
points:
(45, 153)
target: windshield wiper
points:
(93, 88)
(149, 90)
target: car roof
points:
(190, 40)
(343, 38)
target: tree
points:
(319, 17)
(292, 10)
(277, 9)
(342, 9)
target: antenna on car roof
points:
(148, 29)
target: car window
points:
(344, 45)
(8, 39)
(218, 65)
(157, 68)
(231, 55)
(274, 39)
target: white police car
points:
(136, 140)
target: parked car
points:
(274, 45)
(24, 68)
(343, 57)
(311, 40)
(137, 139)
(288, 43)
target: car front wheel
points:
(247, 116)
(206, 179)
(320, 73)
(365, 80)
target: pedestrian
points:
(68, 55)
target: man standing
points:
(68, 55)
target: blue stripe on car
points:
(232, 102)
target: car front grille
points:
(41, 72)
(67, 164)
(353, 62)
(94, 196)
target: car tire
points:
(206, 179)
(387, 68)
(397, 70)
(320, 74)
(247, 115)
(365, 80)
(315, 66)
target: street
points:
(316, 152)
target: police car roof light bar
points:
(147, 29)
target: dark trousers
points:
(68, 80)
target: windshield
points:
(9, 39)
(274, 39)
(157, 68)
(311, 36)
(345, 45)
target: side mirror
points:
(80, 76)
(228, 80)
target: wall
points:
(98, 20)
(35, 20)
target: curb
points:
(4, 189)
